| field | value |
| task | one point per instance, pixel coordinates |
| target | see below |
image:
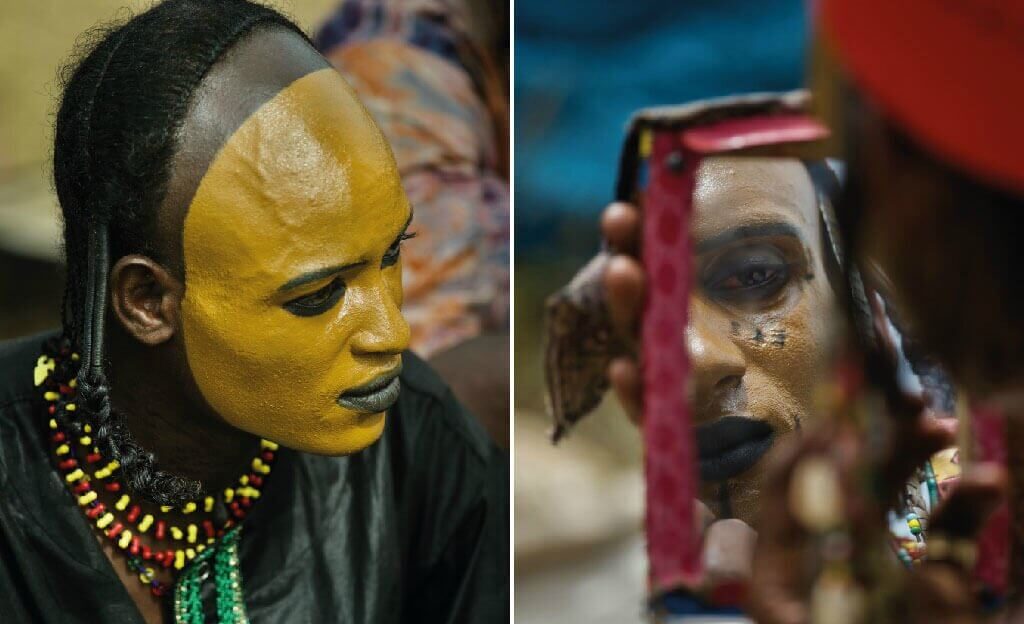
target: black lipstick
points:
(731, 445)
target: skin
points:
(939, 293)
(264, 126)
(289, 196)
(759, 330)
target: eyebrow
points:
(748, 231)
(319, 274)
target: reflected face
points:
(291, 314)
(759, 319)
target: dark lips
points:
(731, 445)
(375, 396)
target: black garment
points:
(412, 529)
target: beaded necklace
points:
(82, 466)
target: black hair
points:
(117, 127)
(849, 288)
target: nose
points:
(718, 364)
(384, 330)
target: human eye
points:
(754, 273)
(317, 302)
(395, 250)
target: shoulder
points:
(430, 418)
(18, 358)
(17, 393)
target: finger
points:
(624, 374)
(728, 551)
(980, 491)
(620, 225)
(624, 289)
(913, 443)
(703, 515)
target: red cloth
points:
(948, 72)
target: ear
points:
(146, 298)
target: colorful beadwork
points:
(124, 532)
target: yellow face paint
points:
(306, 190)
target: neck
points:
(188, 438)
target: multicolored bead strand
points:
(125, 522)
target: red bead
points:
(134, 548)
(68, 464)
(65, 389)
(268, 456)
(234, 505)
(246, 502)
(255, 480)
(52, 410)
(238, 513)
(81, 488)
(168, 559)
(113, 486)
(115, 530)
(59, 437)
(147, 554)
(208, 528)
(161, 529)
(133, 515)
(96, 511)
(158, 557)
(92, 458)
(157, 590)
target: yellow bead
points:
(87, 429)
(147, 575)
(53, 423)
(208, 504)
(74, 357)
(145, 523)
(74, 475)
(125, 539)
(113, 465)
(243, 480)
(102, 473)
(229, 495)
(176, 533)
(270, 446)
(85, 440)
(200, 548)
(71, 407)
(50, 395)
(264, 469)
(105, 521)
(44, 365)
(193, 531)
(179, 560)
(165, 508)
(86, 498)
(122, 503)
(73, 383)
(63, 449)
(189, 507)
(191, 554)
(256, 463)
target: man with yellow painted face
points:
(229, 425)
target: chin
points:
(348, 439)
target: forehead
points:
(306, 181)
(734, 191)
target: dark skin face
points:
(151, 382)
(150, 378)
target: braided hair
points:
(120, 113)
